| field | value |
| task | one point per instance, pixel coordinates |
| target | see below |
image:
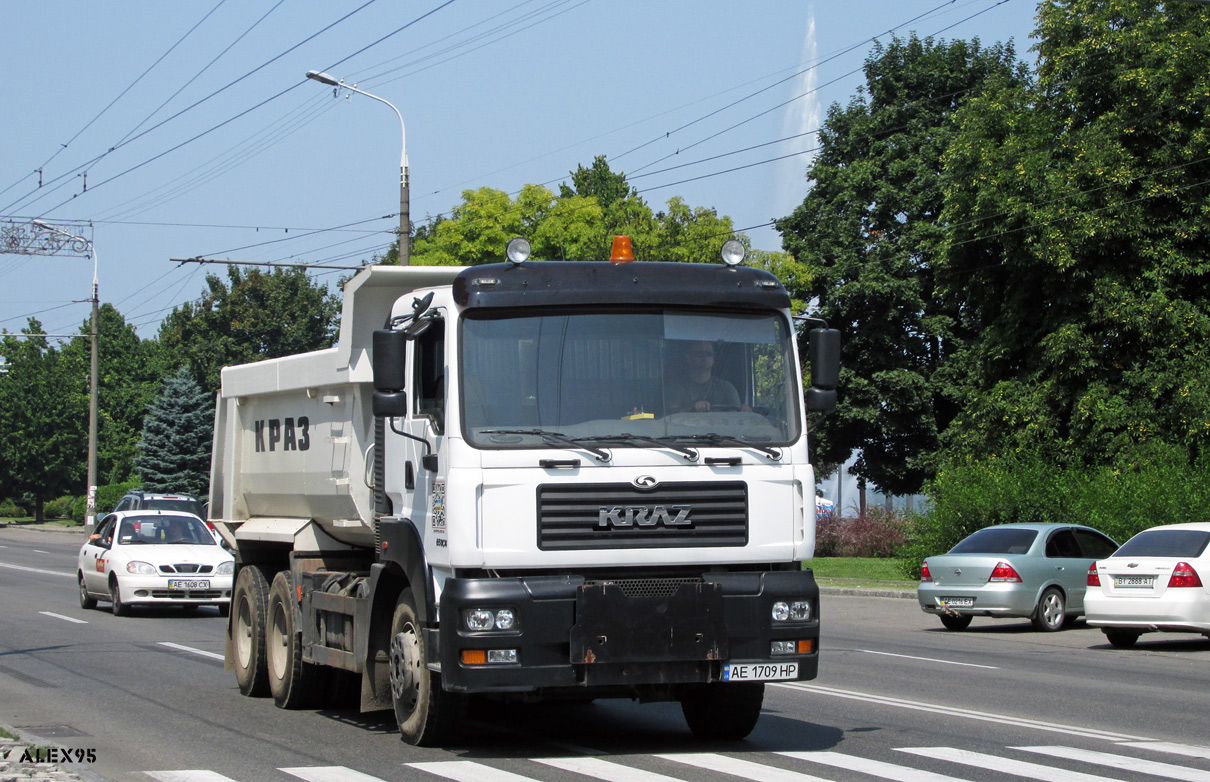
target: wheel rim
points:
(405, 669)
(83, 589)
(277, 642)
(115, 597)
(243, 632)
(1052, 610)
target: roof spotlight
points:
(733, 252)
(519, 250)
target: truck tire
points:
(250, 598)
(294, 684)
(724, 711)
(427, 715)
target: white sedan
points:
(1158, 581)
(150, 557)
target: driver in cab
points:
(690, 385)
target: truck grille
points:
(618, 515)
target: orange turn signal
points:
(622, 251)
(474, 657)
(806, 647)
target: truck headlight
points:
(795, 611)
(481, 619)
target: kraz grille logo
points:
(290, 434)
(628, 516)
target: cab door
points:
(92, 556)
(423, 469)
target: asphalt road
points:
(897, 698)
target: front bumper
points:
(633, 636)
(154, 590)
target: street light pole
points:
(90, 518)
(405, 225)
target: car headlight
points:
(226, 569)
(141, 568)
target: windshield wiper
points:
(719, 439)
(554, 437)
(690, 454)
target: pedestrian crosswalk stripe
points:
(1004, 765)
(876, 768)
(466, 771)
(604, 769)
(744, 769)
(188, 776)
(329, 774)
(1124, 763)
(1188, 750)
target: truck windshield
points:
(624, 379)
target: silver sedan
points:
(1013, 570)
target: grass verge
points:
(862, 572)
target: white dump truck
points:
(528, 480)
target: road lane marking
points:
(197, 775)
(929, 659)
(38, 570)
(1123, 763)
(1188, 750)
(877, 768)
(329, 774)
(744, 769)
(64, 618)
(1004, 765)
(466, 771)
(936, 708)
(202, 652)
(604, 770)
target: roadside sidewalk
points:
(24, 759)
(46, 526)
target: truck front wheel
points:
(250, 598)
(727, 711)
(427, 716)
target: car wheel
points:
(87, 601)
(115, 598)
(426, 714)
(1051, 611)
(956, 621)
(1122, 639)
(247, 631)
(723, 712)
(294, 683)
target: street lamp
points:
(405, 228)
(91, 507)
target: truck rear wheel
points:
(723, 711)
(294, 684)
(250, 597)
(427, 715)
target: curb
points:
(13, 767)
(858, 592)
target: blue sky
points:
(198, 135)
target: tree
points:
(253, 316)
(870, 232)
(43, 420)
(1077, 216)
(174, 452)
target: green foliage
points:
(174, 453)
(59, 508)
(877, 533)
(870, 233)
(109, 495)
(252, 316)
(11, 510)
(1153, 485)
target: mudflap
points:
(614, 631)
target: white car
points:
(1158, 581)
(150, 557)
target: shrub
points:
(11, 510)
(108, 495)
(58, 509)
(876, 534)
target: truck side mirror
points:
(823, 351)
(390, 360)
(390, 404)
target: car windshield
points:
(181, 504)
(628, 379)
(1166, 543)
(184, 530)
(993, 540)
